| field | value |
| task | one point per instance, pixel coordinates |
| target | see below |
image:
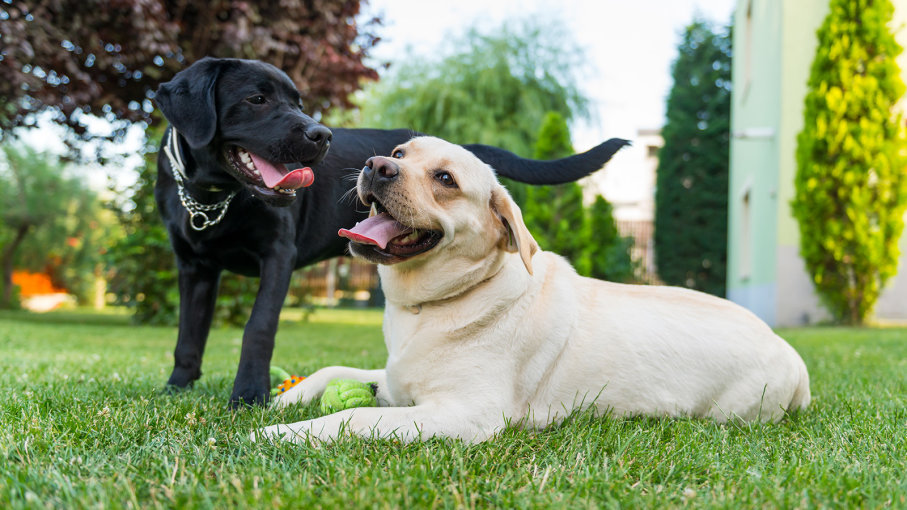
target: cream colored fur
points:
(484, 331)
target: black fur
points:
(265, 233)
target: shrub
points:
(850, 182)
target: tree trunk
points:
(7, 261)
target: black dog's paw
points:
(251, 388)
(249, 398)
(182, 379)
(241, 401)
(172, 389)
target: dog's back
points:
(662, 351)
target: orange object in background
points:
(34, 284)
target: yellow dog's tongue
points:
(377, 230)
(277, 175)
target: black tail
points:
(555, 171)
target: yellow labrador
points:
(483, 329)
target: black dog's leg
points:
(198, 291)
(252, 384)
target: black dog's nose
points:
(382, 167)
(318, 133)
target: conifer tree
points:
(610, 252)
(692, 177)
(560, 222)
(555, 214)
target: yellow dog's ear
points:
(517, 237)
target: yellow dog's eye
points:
(398, 154)
(445, 178)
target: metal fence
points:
(643, 250)
(338, 281)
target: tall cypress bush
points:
(560, 222)
(555, 214)
(692, 178)
(850, 185)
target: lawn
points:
(83, 423)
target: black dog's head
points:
(243, 121)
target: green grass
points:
(83, 424)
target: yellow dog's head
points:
(436, 208)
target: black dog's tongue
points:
(273, 176)
(377, 230)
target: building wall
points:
(796, 302)
(755, 122)
(892, 304)
(628, 181)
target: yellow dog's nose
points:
(381, 167)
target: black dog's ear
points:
(188, 101)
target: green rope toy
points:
(339, 394)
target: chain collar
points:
(198, 212)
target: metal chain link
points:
(196, 210)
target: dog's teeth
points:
(410, 238)
(244, 156)
(373, 211)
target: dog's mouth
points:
(383, 239)
(268, 180)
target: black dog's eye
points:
(299, 104)
(257, 99)
(398, 154)
(445, 178)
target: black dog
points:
(230, 202)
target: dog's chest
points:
(409, 371)
(429, 357)
(416, 357)
(232, 253)
(239, 251)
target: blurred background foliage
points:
(72, 58)
(50, 222)
(142, 264)
(490, 87)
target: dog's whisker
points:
(349, 195)
(412, 217)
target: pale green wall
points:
(801, 20)
(893, 302)
(755, 123)
(796, 302)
